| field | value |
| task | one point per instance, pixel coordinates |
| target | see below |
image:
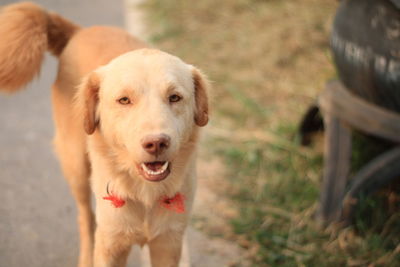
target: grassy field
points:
(267, 60)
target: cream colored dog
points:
(127, 117)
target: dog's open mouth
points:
(155, 171)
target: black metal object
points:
(365, 43)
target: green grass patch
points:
(276, 192)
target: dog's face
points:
(146, 105)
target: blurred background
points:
(268, 60)
(259, 189)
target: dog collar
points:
(175, 203)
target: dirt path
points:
(200, 250)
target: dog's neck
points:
(175, 203)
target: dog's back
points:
(92, 47)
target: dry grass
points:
(265, 56)
(268, 59)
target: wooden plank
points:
(359, 113)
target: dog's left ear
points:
(201, 86)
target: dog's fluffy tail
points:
(26, 32)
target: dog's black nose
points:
(156, 144)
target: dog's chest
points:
(143, 225)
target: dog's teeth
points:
(144, 167)
(164, 167)
(151, 172)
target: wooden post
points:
(336, 168)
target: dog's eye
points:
(174, 98)
(124, 101)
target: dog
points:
(127, 120)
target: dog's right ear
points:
(89, 94)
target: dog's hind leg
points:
(76, 169)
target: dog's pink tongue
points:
(155, 166)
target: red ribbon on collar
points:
(115, 200)
(175, 203)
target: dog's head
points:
(145, 105)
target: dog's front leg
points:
(165, 249)
(110, 250)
